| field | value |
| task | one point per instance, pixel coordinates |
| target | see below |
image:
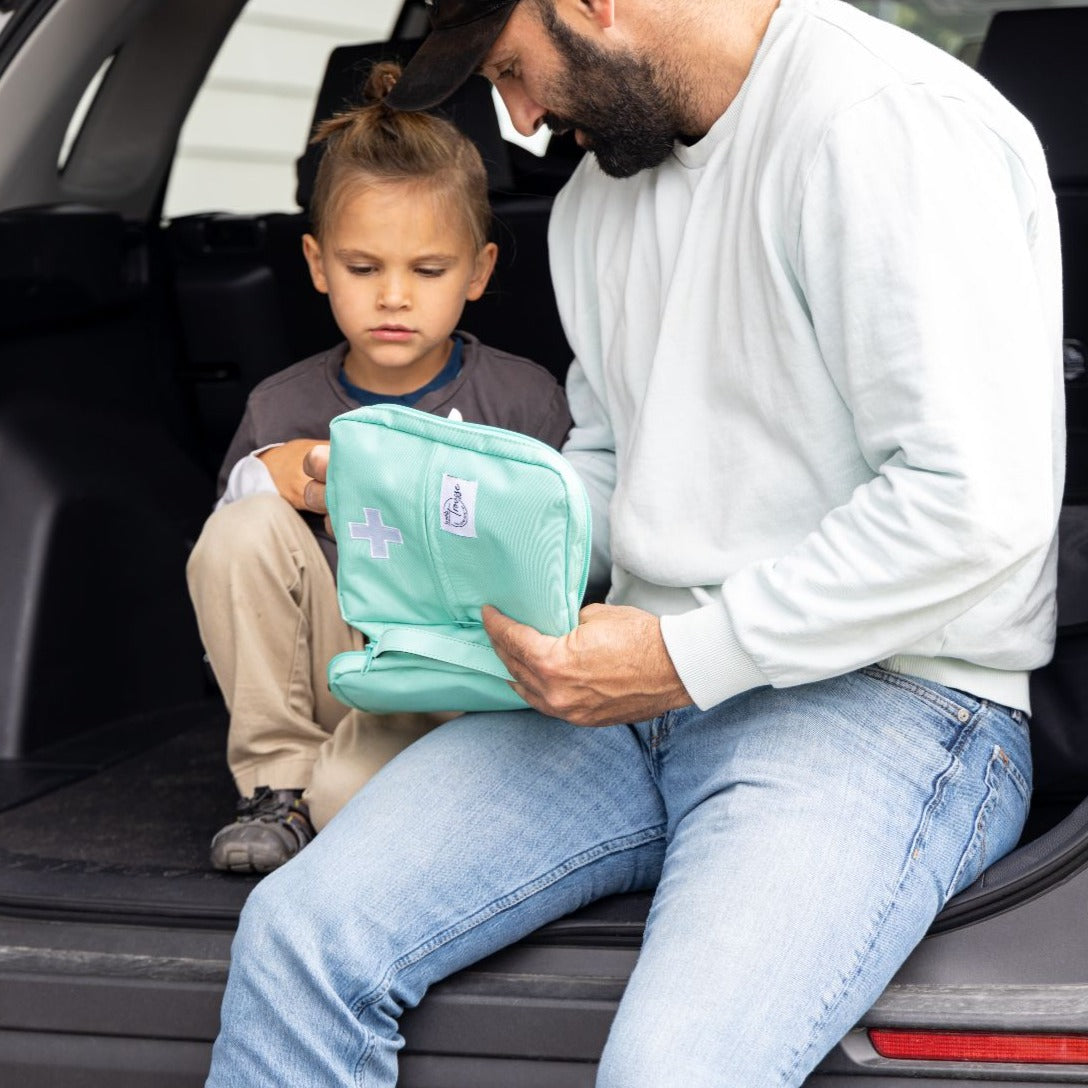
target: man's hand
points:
(292, 468)
(613, 667)
(316, 466)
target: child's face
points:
(398, 265)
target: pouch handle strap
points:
(454, 651)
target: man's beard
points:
(616, 100)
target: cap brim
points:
(445, 61)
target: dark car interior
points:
(128, 349)
(129, 352)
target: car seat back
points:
(1059, 691)
(1036, 58)
(100, 496)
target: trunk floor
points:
(130, 841)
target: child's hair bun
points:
(370, 140)
(381, 80)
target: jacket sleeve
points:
(591, 449)
(935, 311)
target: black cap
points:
(462, 32)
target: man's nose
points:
(526, 114)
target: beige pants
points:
(266, 606)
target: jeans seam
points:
(648, 758)
(364, 1058)
(660, 731)
(913, 854)
(922, 691)
(1010, 774)
(498, 906)
(978, 835)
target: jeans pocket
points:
(946, 711)
(998, 821)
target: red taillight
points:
(972, 1046)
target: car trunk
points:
(114, 931)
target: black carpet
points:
(132, 839)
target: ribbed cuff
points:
(710, 661)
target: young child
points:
(400, 220)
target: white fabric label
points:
(458, 506)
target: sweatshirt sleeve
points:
(591, 449)
(937, 318)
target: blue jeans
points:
(800, 840)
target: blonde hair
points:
(375, 144)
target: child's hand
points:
(286, 466)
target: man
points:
(811, 280)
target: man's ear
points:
(311, 250)
(485, 265)
(602, 12)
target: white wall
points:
(251, 119)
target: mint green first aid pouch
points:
(435, 518)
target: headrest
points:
(1037, 60)
(471, 109)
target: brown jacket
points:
(492, 387)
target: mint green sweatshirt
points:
(817, 390)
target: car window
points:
(952, 27)
(249, 123)
(956, 26)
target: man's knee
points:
(296, 930)
(284, 922)
(261, 926)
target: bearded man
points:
(810, 275)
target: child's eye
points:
(361, 269)
(431, 273)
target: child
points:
(400, 222)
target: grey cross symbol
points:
(379, 534)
